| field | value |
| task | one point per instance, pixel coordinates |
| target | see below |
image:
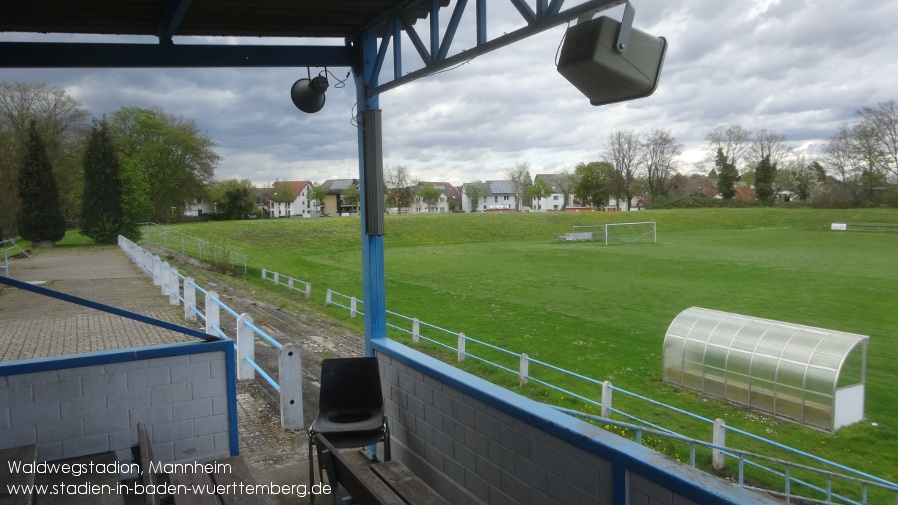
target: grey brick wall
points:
(76, 411)
(473, 453)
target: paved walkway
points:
(35, 326)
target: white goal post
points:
(616, 232)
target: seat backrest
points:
(349, 384)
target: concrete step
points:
(8, 457)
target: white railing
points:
(289, 282)
(183, 291)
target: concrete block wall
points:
(477, 443)
(92, 403)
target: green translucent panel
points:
(789, 402)
(706, 322)
(739, 362)
(820, 380)
(791, 374)
(692, 374)
(826, 360)
(699, 335)
(716, 356)
(754, 330)
(807, 340)
(818, 410)
(852, 372)
(744, 344)
(715, 380)
(778, 334)
(836, 346)
(762, 394)
(678, 330)
(795, 354)
(763, 367)
(673, 346)
(721, 339)
(737, 387)
(730, 325)
(694, 352)
(768, 349)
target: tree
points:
(660, 150)
(595, 181)
(317, 193)
(800, 176)
(351, 196)
(765, 173)
(519, 175)
(565, 181)
(102, 216)
(770, 144)
(732, 140)
(176, 160)
(624, 154)
(727, 175)
(882, 122)
(840, 155)
(233, 199)
(60, 121)
(283, 192)
(475, 191)
(398, 180)
(40, 219)
(539, 190)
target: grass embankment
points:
(603, 311)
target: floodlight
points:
(308, 94)
(610, 62)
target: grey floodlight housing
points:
(608, 61)
(308, 94)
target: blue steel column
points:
(372, 246)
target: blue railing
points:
(6, 246)
(413, 327)
(182, 291)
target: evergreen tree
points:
(102, 216)
(765, 173)
(727, 175)
(40, 216)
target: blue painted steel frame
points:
(624, 455)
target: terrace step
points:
(23, 454)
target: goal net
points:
(627, 233)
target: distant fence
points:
(289, 282)
(174, 240)
(522, 366)
(865, 226)
(183, 291)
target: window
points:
(555, 197)
(505, 198)
(496, 198)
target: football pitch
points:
(602, 311)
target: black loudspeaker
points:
(308, 94)
(591, 61)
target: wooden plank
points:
(406, 484)
(361, 484)
(110, 481)
(189, 480)
(21, 454)
(145, 454)
(239, 474)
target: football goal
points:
(615, 232)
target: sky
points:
(798, 67)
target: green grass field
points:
(603, 311)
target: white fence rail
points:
(183, 291)
(289, 282)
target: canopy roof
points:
(224, 18)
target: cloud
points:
(794, 66)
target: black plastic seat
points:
(350, 407)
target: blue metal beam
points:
(548, 15)
(100, 55)
(171, 20)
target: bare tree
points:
(519, 175)
(659, 152)
(732, 140)
(768, 143)
(566, 180)
(840, 155)
(474, 191)
(623, 153)
(883, 124)
(398, 181)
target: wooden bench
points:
(388, 483)
(22, 454)
(238, 477)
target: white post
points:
(245, 347)
(276, 278)
(328, 300)
(719, 438)
(352, 308)
(290, 282)
(166, 279)
(524, 370)
(416, 330)
(212, 313)
(174, 287)
(290, 376)
(308, 290)
(189, 299)
(461, 347)
(606, 399)
(264, 278)
(157, 271)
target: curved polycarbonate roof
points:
(787, 369)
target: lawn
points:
(603, 311)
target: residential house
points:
(500, 196)
(197, 209)
(555, 200)
(443, 204)
(333, 202)
(301, 206)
